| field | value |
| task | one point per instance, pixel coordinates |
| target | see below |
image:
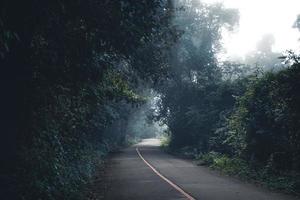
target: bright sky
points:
(259, 17)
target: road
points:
(145, 172)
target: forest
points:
(81, 79)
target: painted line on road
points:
(189, 197)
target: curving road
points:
(145, 172)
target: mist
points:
(140, 99)
(141, 123)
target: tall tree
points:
(190, 98)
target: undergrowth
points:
(288, 182)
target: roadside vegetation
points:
(82, 78)
(265, 176)
(73, 74)
(237, 117)
(258, 139)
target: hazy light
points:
(259, 17)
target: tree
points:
(191, 96)
(263, 56)
(73, 68)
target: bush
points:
(288, 182)
(165, 141)
(265, 124)
(232, 166)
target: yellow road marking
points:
(189, 197)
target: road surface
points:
(145, 172)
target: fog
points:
(142, 122)
(260, 17)
(260, 32)
(217, 80)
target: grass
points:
(288, 182)
(164, 142)
(284, 181)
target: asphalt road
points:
(145, 172)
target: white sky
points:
(259, 17)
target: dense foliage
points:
(75, 75)
(240, 117)
(71, 76)
(195, 94)
(269, 113)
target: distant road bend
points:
(144, 172)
